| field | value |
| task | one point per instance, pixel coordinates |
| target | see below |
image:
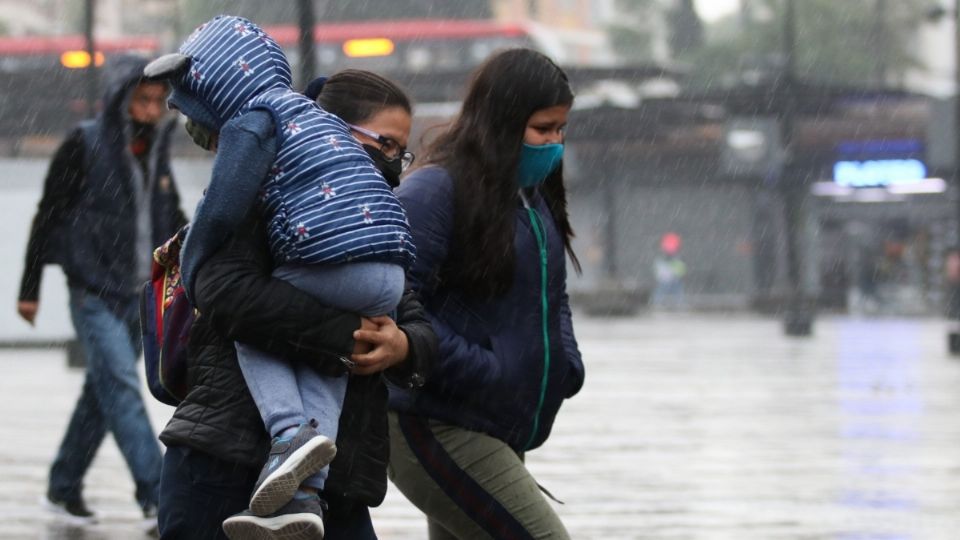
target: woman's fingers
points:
(370, 336)
(369, 363)
(382, 320)
(367, 359)
(389, 346)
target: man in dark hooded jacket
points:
(108, 198)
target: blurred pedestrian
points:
(108, 198)
(669, 271)
(869, 299)
(951, 275)
(489, 217)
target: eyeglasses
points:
(390, 147)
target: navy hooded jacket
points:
(87, 221)
(492, 374)
(324, 198)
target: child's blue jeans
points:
(288, 393)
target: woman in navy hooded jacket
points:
(488, 216)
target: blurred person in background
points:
(669, 271)
(951, 275)
(108, 198)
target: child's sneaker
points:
(299, 519)
(291, 461)
(74, 512)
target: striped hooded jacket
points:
(323, 197)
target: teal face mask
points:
(537, 162)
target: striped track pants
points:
(470, 485)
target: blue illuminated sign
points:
(879, 172)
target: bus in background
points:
(42, 92)
(43, 78)
(431, 57)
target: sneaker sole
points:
(286, 527)
(278, 488)
(150, 527)
(64, 516)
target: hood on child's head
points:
(225, 63)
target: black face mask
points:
(389, 168)
(141, 130)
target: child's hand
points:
(389, 346)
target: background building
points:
(573, 31)
(661, 140)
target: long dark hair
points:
(356, 95)
(481, 151)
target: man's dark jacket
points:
(87, 219)
(238, 300)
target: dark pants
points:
(199, 491)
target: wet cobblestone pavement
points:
(688, 427)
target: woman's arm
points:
(423, 349)
(570, 346)
(235, 291)
(427, 197)
(61, 188)
(404, 350)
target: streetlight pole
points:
(879, 34)
(176, 25)
(306, 44)
(798, 316)
(91, 70)
(787, 82)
